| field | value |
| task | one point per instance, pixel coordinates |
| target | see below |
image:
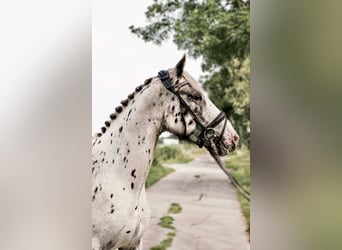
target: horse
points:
(122, 153)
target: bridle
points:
(208, 136)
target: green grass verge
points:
(181, 153)
(239, 165)
(157, 172)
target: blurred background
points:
(132, 44)
(46, 119)
(120, 60)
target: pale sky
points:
(121, 60)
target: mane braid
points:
(124, 103)
(147, 81)
(119, 109)
(107, 123)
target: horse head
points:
(192, 116)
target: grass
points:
(239, 165)
(164, 244)
(157, 172)
(180, 153)
(175, 208)
(166, 222)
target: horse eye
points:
(197, 97)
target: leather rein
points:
(208, 137)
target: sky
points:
(121, 60)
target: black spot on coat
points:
(133, 173)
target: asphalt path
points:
(211, 217)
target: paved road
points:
(211, 217)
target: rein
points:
(236, 184)
(208, 137)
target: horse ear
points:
(180, 67)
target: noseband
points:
(208, 136)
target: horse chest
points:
(118, 217)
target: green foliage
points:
(239, 165)
(166, 222)
(171, 154)
(181, 153)
(157, 172)
(164, 244)
(175, 208)
(232, 95)
(218, 32)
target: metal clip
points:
(209, 133)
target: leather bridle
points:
(208, 135)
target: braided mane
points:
(120, 108)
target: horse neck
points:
(130, 140)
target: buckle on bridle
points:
(209, 134)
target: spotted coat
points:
(123, 153)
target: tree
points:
(217, 31)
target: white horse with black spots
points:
(123, 153)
